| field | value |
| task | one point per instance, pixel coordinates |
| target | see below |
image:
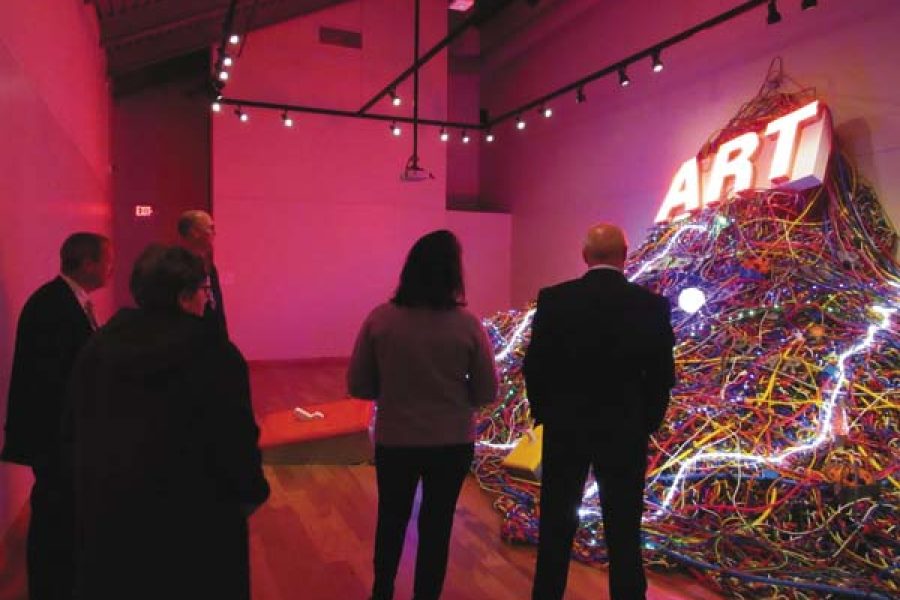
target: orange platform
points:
(340, 436)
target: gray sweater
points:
(427, 370)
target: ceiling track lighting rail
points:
(652, 53)
(291, 108)
(224, 59)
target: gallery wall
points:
(314, 222)
(54, 165)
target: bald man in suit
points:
(197, 232)
(598, 372)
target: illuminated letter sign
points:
(684, 193)
(734, 159)
(791, 153)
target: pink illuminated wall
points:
(313, 222)
(612, 158)
(54, 164)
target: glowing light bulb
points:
(234, 39)
(691, 299)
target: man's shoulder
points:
(560, 289)
(649, 296)
(54, 288)
(50, 295)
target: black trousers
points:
(442, 470)
(51, 533)
(619, 470)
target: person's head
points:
(605, 244)
(169, 278)
(87, 259)
(197, 231)
(432, 275)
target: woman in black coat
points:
(164, 447)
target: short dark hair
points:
(432, 276)
(79, 248)
(162, 274)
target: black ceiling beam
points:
(483, 11)
(343, 113)
(625, 62)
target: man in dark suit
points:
(55, 323)
(598, 372)
(198, 234)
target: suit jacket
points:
(52, 330)
(600, 357)
(165, 460)
(214, 314)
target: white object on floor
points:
(305, 415)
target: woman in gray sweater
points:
(427, 363)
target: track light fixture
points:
(579, 95)
(654, 52)
(657, 61)
(774, 16)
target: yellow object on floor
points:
(524, 461)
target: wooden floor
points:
(313, 540)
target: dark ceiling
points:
(139, 33)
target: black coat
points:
(214, 313)
(52, 329)
(600, 357)
(166, 462)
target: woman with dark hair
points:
(164, 446)
(427, 363)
